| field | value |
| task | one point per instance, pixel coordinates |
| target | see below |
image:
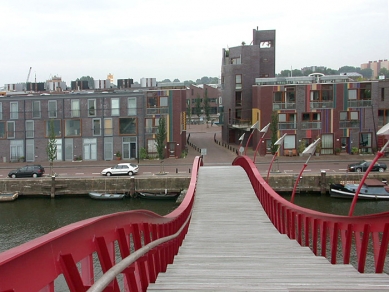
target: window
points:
(36, 109)
(127, 126)
(131, 106)
(348, 119)
(56, 126)
(72, 127)
(108, 127)
(115, 107)
(151, 125)
(151, 146)
(2, 130)
(348, 116)
(11, 130)
(52, 107)
(75, 108)
(163, 101)
(352, 94)
(96, 127)
(265, 44)
(91, 107)
(277, 97)
(290, 142)
(365, 142)
(238, 98)
(14, 110)
(290, 95)
(236, 60)
(382, 94)
(29, 129)
(311, 117)
(238, 81)
(383, 117)
(151, 99)
(1, 110)
(287, 121)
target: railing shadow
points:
(322, 232)
(145, 241)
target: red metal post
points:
(354, 201)
(297, 182)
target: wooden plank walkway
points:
(231, 245)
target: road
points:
(202, 137)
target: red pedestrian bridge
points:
(232, 232)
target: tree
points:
(51, 148)
(161, 137)
(198, 106)
(207, 108)
(274, 130)
(384, 72)
(176, 80)
(91, 81)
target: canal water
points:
(29, 218)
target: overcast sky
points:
(181, 39)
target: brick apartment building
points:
(91, 126)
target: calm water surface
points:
(29, 218)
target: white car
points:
(121, 168)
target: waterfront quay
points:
(57, 186)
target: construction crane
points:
(28, 77)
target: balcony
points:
(157, 111)
(310, 125)
(322, 104)
(281, 106)
(349, 124)
(359, 103)
(287, 126)
(240, 124)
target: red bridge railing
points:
(341, 236)
(80, 252)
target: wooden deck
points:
(232, 246)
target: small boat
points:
(106, 196)
(8, 197)
(158, 196)
(371, 189)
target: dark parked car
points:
(363, 165)
(27, 171)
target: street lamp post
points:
(309, 150)
(384, 131)
(253, 127)
(264, 131)
(240, 144)
(279, 143)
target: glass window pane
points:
(132, 106)
(115, 110)
(163, 101)
(108, 128)
(75, 111)
(36, 109)
(352, 94)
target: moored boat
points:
(106, 196)
(158, 196)
(371, 189)
(8, 197)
